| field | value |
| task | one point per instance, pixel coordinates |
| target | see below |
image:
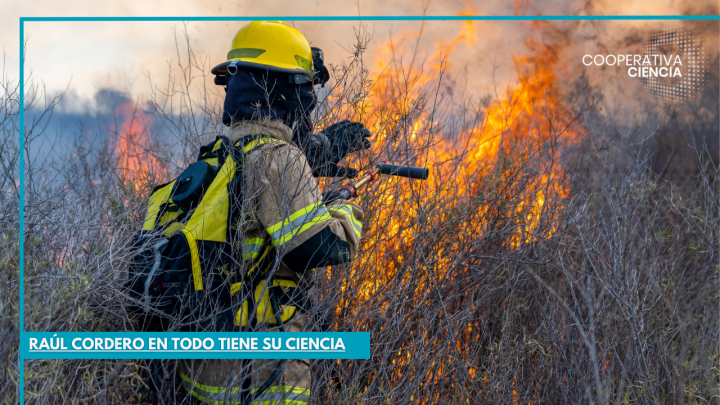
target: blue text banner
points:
(195, 345)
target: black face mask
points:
(256, 94)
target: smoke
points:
(136, 58)
(118, 54)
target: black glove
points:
(343, 193)
(324, 150)
(344, 138)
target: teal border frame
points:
(21, 113)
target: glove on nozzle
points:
(327, 148)
(343, 193)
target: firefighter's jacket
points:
(284, 216)
(269, 219)
(286, 209)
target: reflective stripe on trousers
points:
(277, 395)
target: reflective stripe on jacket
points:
(286, 209)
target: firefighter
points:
(287, 231)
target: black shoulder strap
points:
(206, 152)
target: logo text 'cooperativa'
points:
(640, 65)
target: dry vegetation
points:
(544, 261)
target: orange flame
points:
(135, 159)
(511, 125)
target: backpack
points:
(183, 275)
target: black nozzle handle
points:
(412, 172)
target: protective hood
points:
(256, 94)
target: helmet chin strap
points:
(232, 68)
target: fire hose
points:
(348, 191)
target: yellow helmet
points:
(269, 45)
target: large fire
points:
(502, 138)
(511, 127)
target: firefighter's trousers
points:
(224, 382)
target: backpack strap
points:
(215, 153)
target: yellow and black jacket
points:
(207, 268)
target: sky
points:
(92, 55)
(98, 63)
